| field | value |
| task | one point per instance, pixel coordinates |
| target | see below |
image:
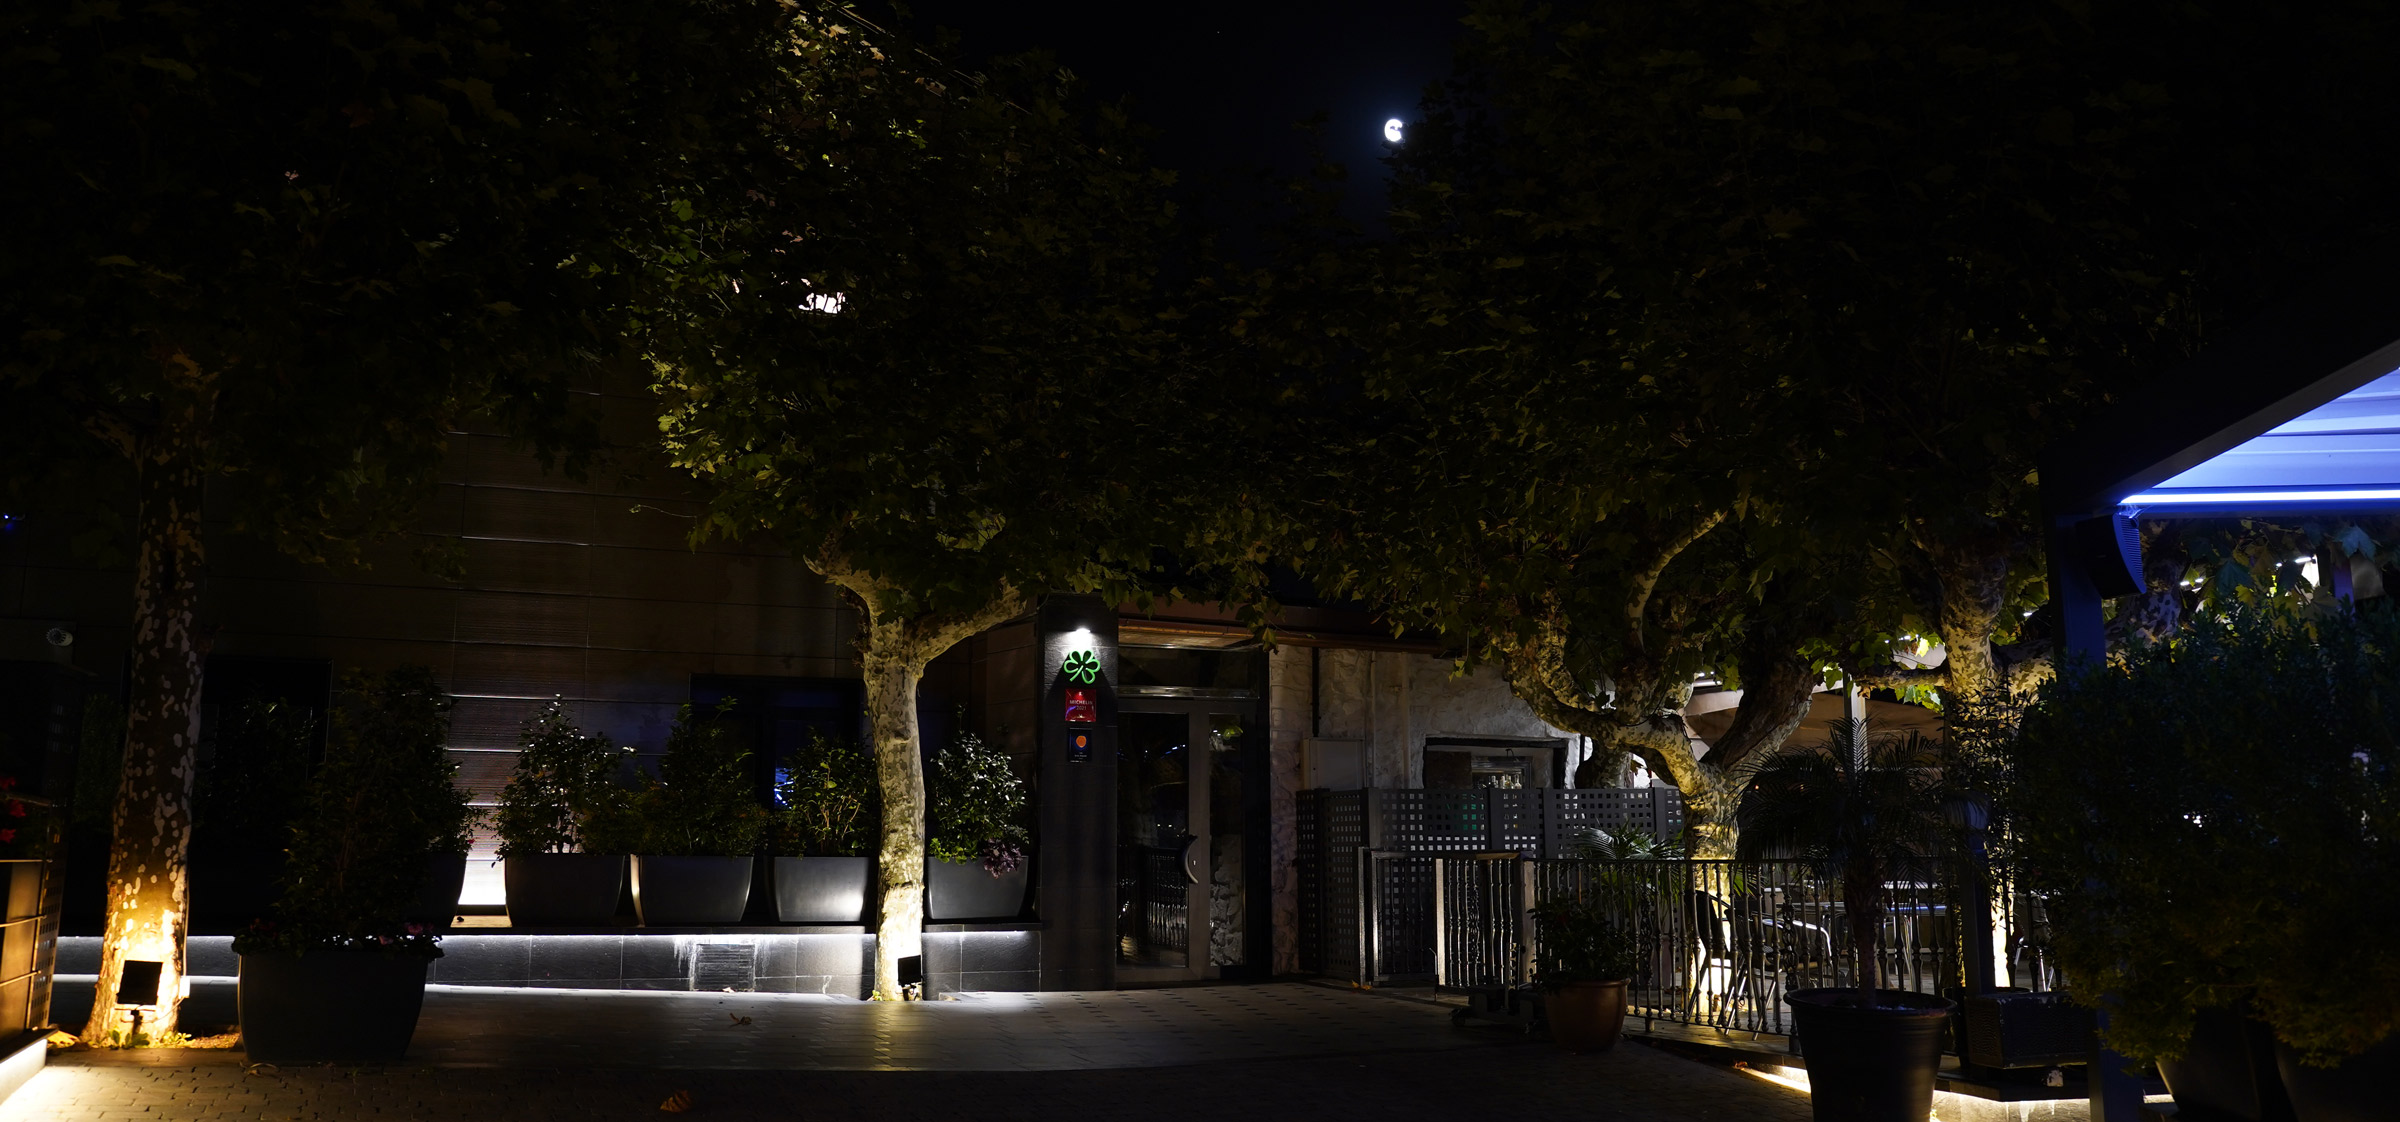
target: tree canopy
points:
(275, 254)
(1723, 335)
(925, 345)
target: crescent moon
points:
(1391, 131)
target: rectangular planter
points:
(690, 891)
(961, 890)
(564, 889)
(823, 889)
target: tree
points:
(1733, 329)
(932, 360)
(282, 252)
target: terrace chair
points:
(1761, 955)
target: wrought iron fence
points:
(1722, 941)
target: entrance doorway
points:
(1183, 866)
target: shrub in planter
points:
(338, 972)
(824, 831)
(245, 794)
(565, 824)
(1860, 806)
(2216, 822)
(701, 825)
(975, 833)
(1585, 961)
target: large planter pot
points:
(2356, 1090)
(823, 889)
(445, 878)
(961, 890)
(563, 889)
(690, 891)
(2227, 1071)
(329, 1005)
(1586, 1016)
(1870, 1065)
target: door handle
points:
(1191, 868)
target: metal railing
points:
(1721, 941)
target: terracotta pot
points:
(1586, 1016)
(1870, 1065)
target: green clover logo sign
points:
(1083, 666)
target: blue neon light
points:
(2356, 494)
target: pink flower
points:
(8, 835)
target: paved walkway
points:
(1238, 1053)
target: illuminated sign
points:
(1082, 666)
(1081, 710)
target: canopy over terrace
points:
(2297, 412)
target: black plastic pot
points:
(563, 889)
(961, 890)
(2227, 1071)
(823, 889)
(329, 1005)
(1870, 1065)
(445, 877)
(2352, 1091)
(690, 891)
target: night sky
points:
(1224, 84)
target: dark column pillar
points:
(1077, 793)
(2083, 640)
(2081, 629)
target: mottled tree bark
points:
(149, 904)
(1639, 712)
(894, 649)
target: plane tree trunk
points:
(895, 646)
(149, 902)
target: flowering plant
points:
(25, 828)
(296, 940)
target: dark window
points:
(779, 714)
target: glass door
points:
(1159, 844)
(1182, 899)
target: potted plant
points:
(1860, 807)
(565, 825)
(2215, 827)
(822, 872)
(1584, 961)
(701, 825)
(338, 971)
(975, 837)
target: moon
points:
(1391, 131)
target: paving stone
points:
(1246, 1053)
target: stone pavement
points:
(1244, 1053)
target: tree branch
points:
(1646, 582)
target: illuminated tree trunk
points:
(892, 673)
(149, 902)
(894, 648)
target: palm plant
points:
(1628, 844)
(1858, 806)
